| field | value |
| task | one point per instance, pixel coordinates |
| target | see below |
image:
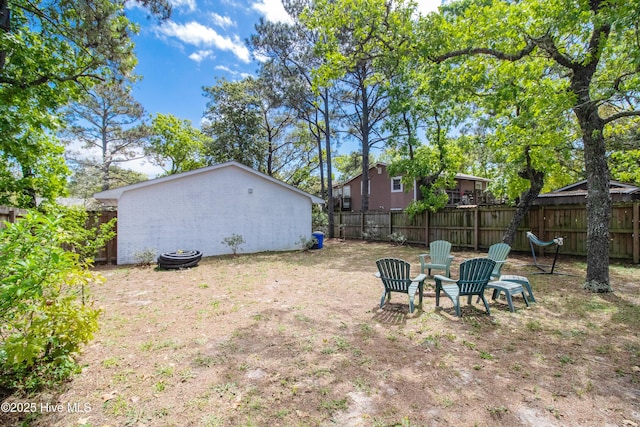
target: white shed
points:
(196, 210)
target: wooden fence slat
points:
(479, 228)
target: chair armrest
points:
(438, 277)
(419, 278)
(423, 258)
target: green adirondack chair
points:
(474, 275)
(498, 252)
(438, 258)
(395, 276)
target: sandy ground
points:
(298, 339)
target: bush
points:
(234, 242)
(145, 257)
(372, 231)
(45, 314)
(397, 237)
(84, 234)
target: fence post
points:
(426, 228)
(634, 236)
(12, 215)
(476, 231)
(541, 227)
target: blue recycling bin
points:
(319, 235)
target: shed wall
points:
(197, 212)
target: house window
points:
(396, 184)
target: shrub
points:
(307, 243)
(84, 234)
(234, 242)
(145, 256)
(372, 231)
(45, 315)
(397, 237)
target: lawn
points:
(298, 339)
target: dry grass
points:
(298, 339)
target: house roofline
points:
(375, 165)
(110, 196)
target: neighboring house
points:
(577, 194)
(387, 193)
(196, 210)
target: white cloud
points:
(222, 21)
(223, 68)
(201, 55)
(189, 5)
(196, 34)
(426, 6)
(272, 10)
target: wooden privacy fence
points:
(9, 214)
(107, 255)
(480, 227)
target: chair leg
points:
(486, 305)
(456, 303)
(509, 301)
(384, 295)
(526, 300)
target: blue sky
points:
(203, 40)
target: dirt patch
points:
(298, 339)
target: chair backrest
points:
(474, 275)
(439, 251)
(395, 274)
(498, 252)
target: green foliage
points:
(44, 308)
(319, 218)
(84, 235)
(307, 243)
(398, 238)
(145, 256)
(175, 145)
(234, 241)
(371, 231)
(109, 119)
(87, 179)
(48, 51)
(625, 166)
(233, 123)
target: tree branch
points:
(621, 115)
(486, 51)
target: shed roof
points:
(111, 197)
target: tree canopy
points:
(49, 51)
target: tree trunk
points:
(327, 137)
(365, 147)
(4, 27)
(522, 208)
(597, 171)
(598, 201)
(536, 182)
